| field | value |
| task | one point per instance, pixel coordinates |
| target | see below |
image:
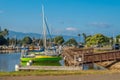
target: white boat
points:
(51, 50)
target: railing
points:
(101, 57)
(85, 56)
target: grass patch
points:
(48, 72)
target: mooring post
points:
(16, 67)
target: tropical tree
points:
(4, 33)
(97, 39)
(79, 37)
(118, 38)
(2, 40)
(27, 40)
(88, 40)
(71, 41)
(84, 36)
(59, 40)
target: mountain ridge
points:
(21, 35)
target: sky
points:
(64, 17)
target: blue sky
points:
(68, 17)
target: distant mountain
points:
(21, 35)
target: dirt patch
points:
(68, 77)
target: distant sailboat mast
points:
(44, 28)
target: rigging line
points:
(48, 28)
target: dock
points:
(33, 68)
(78, 57)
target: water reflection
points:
(62, 62)
(8, 61)
(8, 51)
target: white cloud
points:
(71, 29)
(100, 24)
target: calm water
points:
(8, 61)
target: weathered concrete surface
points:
(49, 68)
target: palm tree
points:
(79, 36)
(84, 36)
(4, 32)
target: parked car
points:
(116, 46)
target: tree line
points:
(89, 40)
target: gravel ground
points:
(67, 77)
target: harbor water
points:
(8, 61)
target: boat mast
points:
(44, 28)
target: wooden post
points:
(82, 61)
(115, 56)
(74, 60)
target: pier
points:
(78, 57)
(33, 68)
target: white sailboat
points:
(45, 30)
(46, 52)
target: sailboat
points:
(51, 50)
(47, 50)
(44, 50)
(48, 56)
